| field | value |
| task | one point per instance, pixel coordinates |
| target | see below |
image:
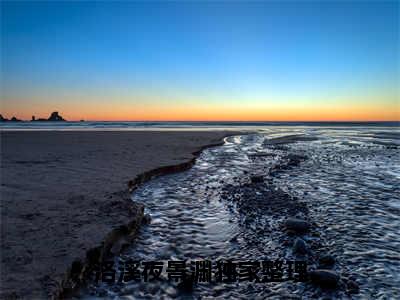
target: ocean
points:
(100, 125)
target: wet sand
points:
(326, 197)
(64, 193)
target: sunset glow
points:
(201, 61)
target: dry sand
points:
(63, 192)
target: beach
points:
(64, 193)
(323, 196)
(323, 199)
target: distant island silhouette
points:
(54, 117)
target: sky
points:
(209, 61)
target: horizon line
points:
(218, 121)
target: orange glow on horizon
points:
(365, 112)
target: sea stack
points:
(55, 117)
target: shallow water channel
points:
(346, 184)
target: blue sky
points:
(213, 54)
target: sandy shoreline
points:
(63, 193)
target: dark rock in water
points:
(297, 225)
(233, 239)
(257, 179)
(300, 246)
(55, 117)
(14, 119)
(294, 160)
(325, 278)
(326, 260)
(146, 219)
(352, 287)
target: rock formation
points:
(13, 119)
(55, 117)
